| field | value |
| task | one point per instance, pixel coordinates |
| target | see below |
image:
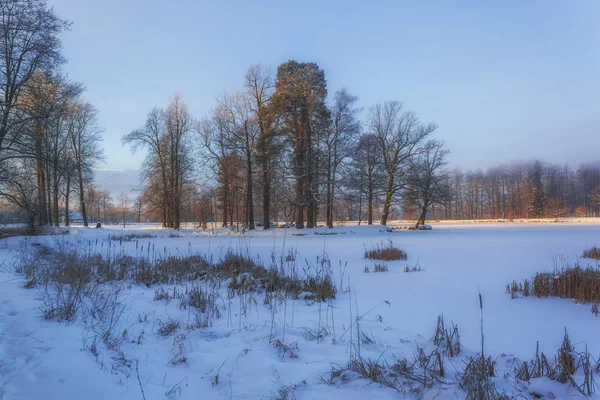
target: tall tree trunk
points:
(249, 200)
(225, 202)
(370, 200)
(81, 194)
(49, 193)
(423, 214)
(300, 171)
(266, 185)
(67, 193)
(41, 179)
(55, 199)
(388, 201)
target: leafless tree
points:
(339, 142)
(124, 206)
(241, 136)
(168, 165)
(260, 86)
(428, 180)
(400, 135)
(84, 136)
(29, 43)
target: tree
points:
(124, 205)
(29, 42)
(168, 164)
(400, 136)
(538, 193)
(259, 86)
(85, 136)
(367, 166)
(339, 142)
(138, 205)
(428, 180)
(299, 100)
(213, 137)
(241, 135)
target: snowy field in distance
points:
(44, 359)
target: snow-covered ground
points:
(46, 359)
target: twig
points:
(137, 371)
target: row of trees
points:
(280, 137)
(312, 160)
(49, 135)
(524, 190)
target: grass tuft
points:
(386, 252)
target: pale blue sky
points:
(504, 80)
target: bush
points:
(594, 253)
(385, 252)
(577, 283)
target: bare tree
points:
(428, 180)
(85, 137)
(29, 42)
(400, 136)
(367, 166)
(168, 165)
(339, 142)
(124, 206)
(241, 138)
(260, 86)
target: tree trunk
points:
(67, 193)
(41, 180)
(266, 184)
(81, 194)
(370, 201)
(388, 201)
(423, 214)
(249, 200)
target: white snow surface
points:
(45, 359)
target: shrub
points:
(385, 252)
(594, 253)
(380, 268)
(130, 237)
(167, 328)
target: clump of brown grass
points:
(593, 252)
(168, 327)
(561, 368)
(386, 252)
(130, 237)
(577, 283)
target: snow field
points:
(41, 358)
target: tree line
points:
(49, 134)
(280, 150)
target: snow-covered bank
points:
(46, 359)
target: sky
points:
(504, 80)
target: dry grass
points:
(386, 252)
(594, 253)
(577, 283)
(130, 237)
(561, 368)
(168, 327)
(380, 268)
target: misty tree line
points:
(49, 134)
(523, 190)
